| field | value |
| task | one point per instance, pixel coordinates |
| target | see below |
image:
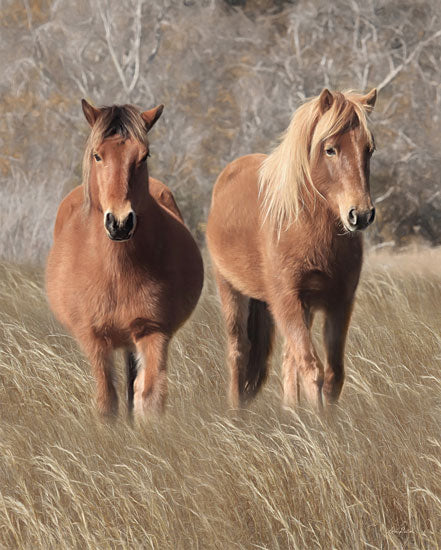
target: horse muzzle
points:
(358, 220)
(120, 230)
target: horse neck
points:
(317, 214)
(316, 234)
(148, 234)
(324, 236)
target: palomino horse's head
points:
(115, 165)
(326, 149)
(343, 146)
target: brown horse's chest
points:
(121, 304)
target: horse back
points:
(234, 229)
(164, 197)
(70, 208)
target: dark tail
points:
(131, 372)
(261, 335)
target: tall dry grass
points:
(367, 477)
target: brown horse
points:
(124, 271)
(283, 233)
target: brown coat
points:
(124, 271)
(275, 265)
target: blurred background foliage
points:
(230, 73)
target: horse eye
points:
(96, 157)
(330, 151)
(144, 158)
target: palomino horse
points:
(283, 233)
(124, 271)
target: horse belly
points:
(233, 228)
(61, 287)
(242, 269)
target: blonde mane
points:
(123, 120)
(285, 175)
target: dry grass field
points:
(368, 476)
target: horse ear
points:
(370, 98)
(150, 117)
(325, 100)
(91, 113)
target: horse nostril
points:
(110, 222)
(352, 216)
(129, 222)
(371, 217)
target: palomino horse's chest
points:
(317, 289)
(322, 285)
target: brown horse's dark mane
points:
(123, 120)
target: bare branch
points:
(107, 30)
(137, 44)
(408, 60)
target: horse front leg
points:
(334, 334)
(150, 386)
(302, 369)
(100, 355)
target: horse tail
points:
(260, 329)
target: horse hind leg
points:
(250, 332)
(131, 373)
(235, 312)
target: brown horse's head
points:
(326, 148)
(341, 149)
(115, 165)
